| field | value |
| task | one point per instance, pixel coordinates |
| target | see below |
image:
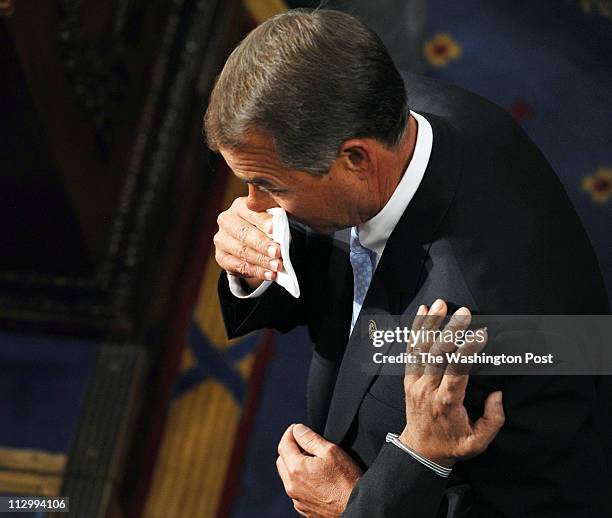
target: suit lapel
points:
(332, 314)
(397, 276)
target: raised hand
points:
(438, 426)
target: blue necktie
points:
(362, 261)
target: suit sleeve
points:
(396, 486)
(275, 308)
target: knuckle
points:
(437, 413)
(453, 382)
(262, 243)
(290, 490)
(243, 269)
(243, 252)
(418, 391)
(218, 241)
(412, 388)
(331, 449)
(444, 400)
(499, 420)
(293, 471)
(243, 233)
(220, 257)
(434, 350)
(453, 370)
(409, 385)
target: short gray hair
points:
(311, 80)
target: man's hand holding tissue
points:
(317, 474)
(243, 246)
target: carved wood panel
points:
(100, 103)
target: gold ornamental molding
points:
(32, 460)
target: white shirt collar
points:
(373, 234)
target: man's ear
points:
(357, 156)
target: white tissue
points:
(281, 234)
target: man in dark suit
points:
(450, 200)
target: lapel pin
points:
(371, 329)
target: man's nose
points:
(259, 201)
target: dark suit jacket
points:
(491, 228)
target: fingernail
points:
(272, 250)
(462, 311)
(437, 306)
(299, 430)
(274, 265)
(268, 275)
(422, 309)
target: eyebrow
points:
(258, 182)
(265, 184)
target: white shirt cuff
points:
(439, 470)
(238, 291)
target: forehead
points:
(257, 156)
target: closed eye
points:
(267, 188)
(271, 190)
